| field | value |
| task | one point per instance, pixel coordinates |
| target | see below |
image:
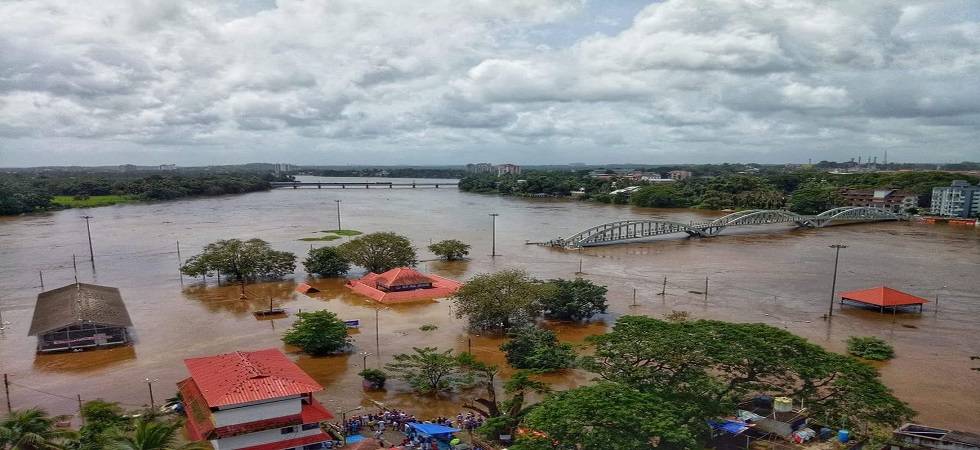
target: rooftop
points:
(883, 296)
(77, 304)
(243, 377)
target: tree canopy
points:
(606, 416)
(577, 299)
(501, 300)
(450, 249)
(32, 429)
(240, 260)
(380, 252)
(429, 370)
(715, 364)
(326, 262)
(537, 348)
(815, 197)
(318, 333)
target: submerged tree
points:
(429, 370)
(537, 348)
(380, 252)
(318, 333)
(242, 261)
(326, 262)
(450, 249)
(577, 299)
(500, 301)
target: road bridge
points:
(360, 184)
(625, 231)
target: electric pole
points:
(338, 216)
(6, 390)
(833, 285)
(493, 234)
(91, 254)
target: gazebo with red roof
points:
(403, 284)
(883, 297)
(256, 400)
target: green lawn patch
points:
(328, 237)
(343, 232)
(91, 202)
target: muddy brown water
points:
(775, 275)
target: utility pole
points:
(180, 262)
(634, 296)
(833, 285)
(663, 291)
(74, 266)
(80, 415)
(6, 390)
(493, 234)
(338, 215)
(579, 267)
(705, 288)
(40, 275)
(91, 254)
(377, 334)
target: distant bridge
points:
(359, 184)
(625, 231)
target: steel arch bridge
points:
(624, 231)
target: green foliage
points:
(428, 370)
(32, 429)
(376, 377)
(577, 299)
(450, 249)
(501, 300)
(326, 262)
(606, 416)
(712, 365)
(428, 327)
(90, 202)
(380, 252)
(870, 347)
(343, 232)
(153, 435)
(537, 348)
(19, 196)
(102, 420)
(814, 198)
(318, 333)
(240, 260)
(661, 195)
(320, 238)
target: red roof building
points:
(882, 297)
(252, 400)
(403, 284)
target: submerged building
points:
(403, 284)
(80, 316)
(257, 400)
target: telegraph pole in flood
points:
(338, 216)
(91, 254)
(493, 234)
(833, 285)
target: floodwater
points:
(778, 276)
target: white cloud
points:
(774, 80)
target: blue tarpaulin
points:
(432, 429)
(730, 426)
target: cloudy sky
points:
(455, 81)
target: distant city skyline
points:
(372, 82)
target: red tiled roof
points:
(883, 296)
(314, 412)
(402, 276)
(291, 443)
(441, 288)
(243, 377)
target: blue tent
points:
(730, 426)
(432, 429)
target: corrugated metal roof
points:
(79, 303)
(883, 296)
(243, 377)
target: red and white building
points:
(252, 401)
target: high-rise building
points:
(959, 199)
(508, 169)
(480, 168)
(679, 174)
(890, 199)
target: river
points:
(776, 275)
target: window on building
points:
(287, 430)
(310, 426)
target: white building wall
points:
(261, 437)
(257, 411)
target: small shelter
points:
(403, 284)
(80, 316)
(883, 298)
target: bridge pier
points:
(318, 185)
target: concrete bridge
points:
(625, 231)
(358, 184)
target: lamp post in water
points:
(493, 234)
(833, 285)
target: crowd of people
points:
(397, 420)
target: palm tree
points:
(32, 429)
(150, 435)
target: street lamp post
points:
(88, 229)
(833, 285)
(493, 234)
(377, 333)
(338, 215)
(149, 385)
(364, 356)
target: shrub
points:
(536, 348)
(318, 333)
(870, 347)
(450, 249)
(376, 377)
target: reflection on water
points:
(772, 275)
